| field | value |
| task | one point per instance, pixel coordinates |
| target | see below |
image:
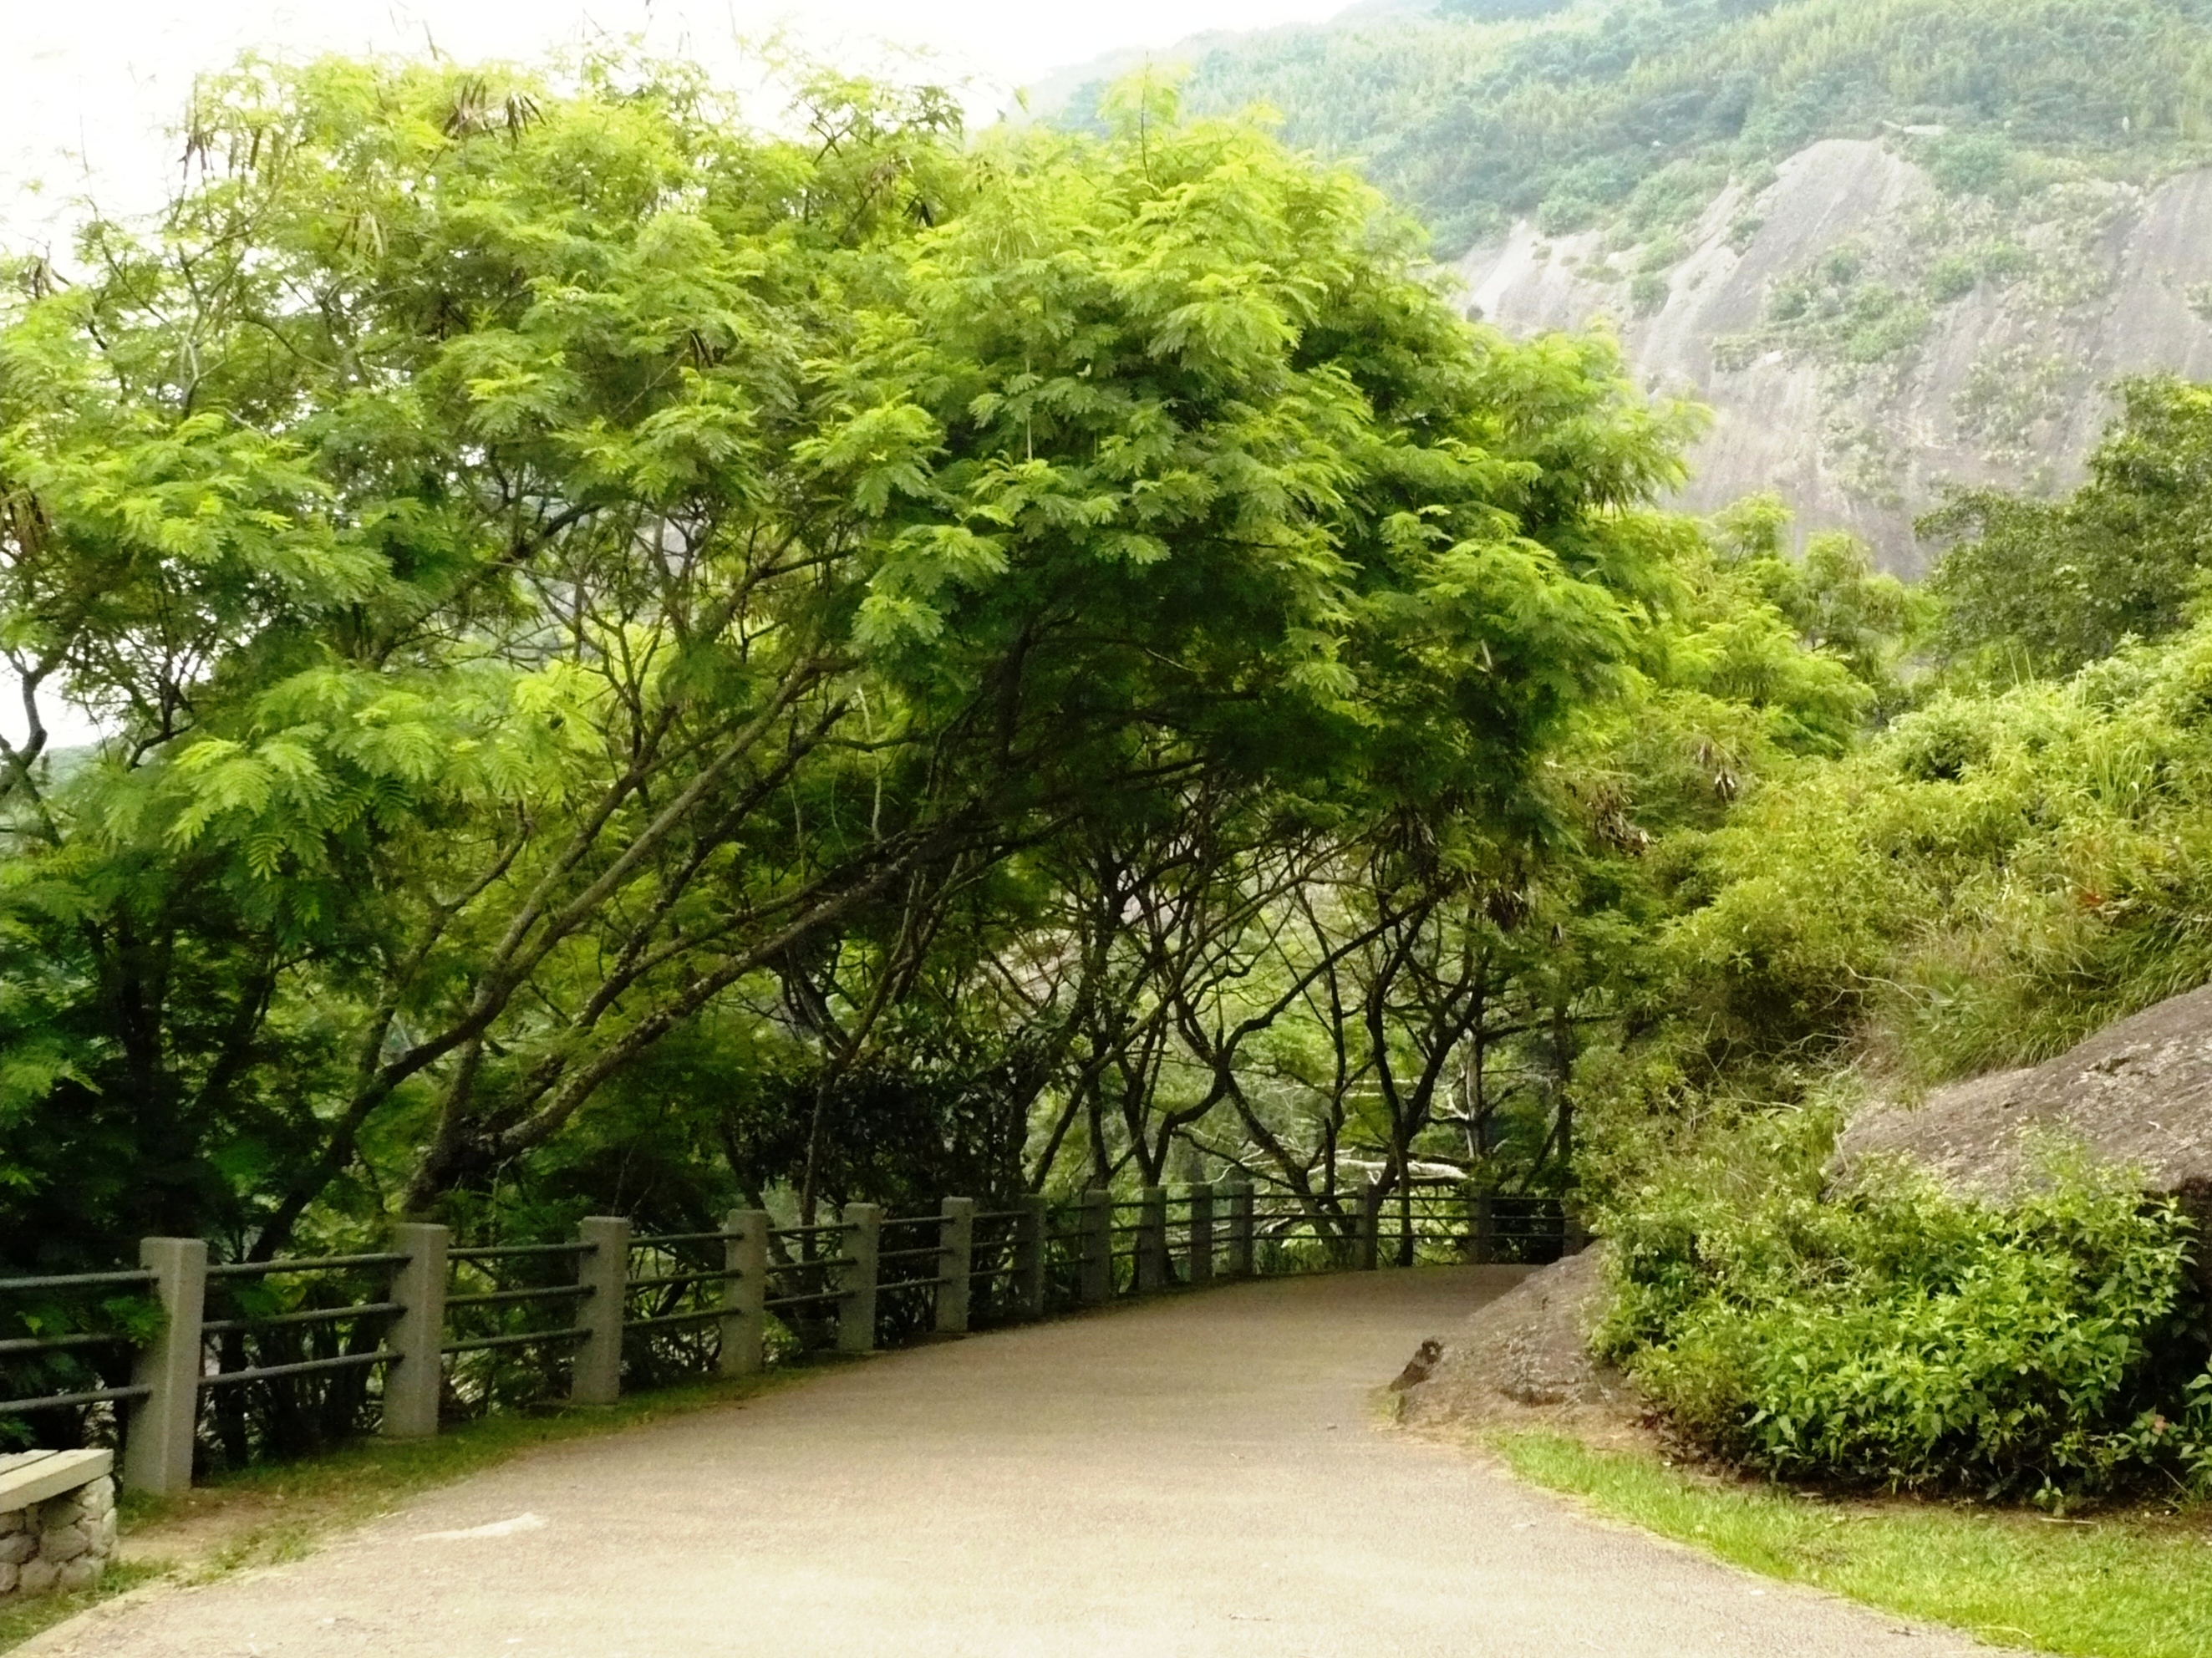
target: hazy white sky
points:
(95, 78)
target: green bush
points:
(1901, 1336)
(1883, 324)
(1971, 164)
(1648, 294)
(1952, 278)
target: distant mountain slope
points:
(1864, 339)
(1895, 243)
(1482, 113)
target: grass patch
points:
(22, 1619)
(283, 1510)
(2130, 1587)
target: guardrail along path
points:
(1192, 1476)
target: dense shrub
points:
(1900, 1336)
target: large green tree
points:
(552, 567)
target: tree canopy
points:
(567, 583)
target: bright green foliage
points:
(2056, 585)
(611, 632)
(1902, 1337)
(1987, 882)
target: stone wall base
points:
(62, 1543)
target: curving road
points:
(1197, 1476)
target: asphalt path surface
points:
(1199, 1475)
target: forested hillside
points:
(1896, 246)
(1485, 113)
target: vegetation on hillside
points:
(2002, 868)
(1636, 113)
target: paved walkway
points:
(1199, 1476)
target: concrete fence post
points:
(1482, 1227)
(1201, 1267)
(1031, 1252)
(956, 1264)
(1097, 1226)
(157, 1455)
(744, 1316)
(1575, 1229)
(415, 1383)
(856, 1303)
(1367, 1250)
(1241, 1260)
(604, 1270)
(1152, 1239)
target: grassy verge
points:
(282, 1511)
(2134, 1587)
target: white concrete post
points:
(1201, 1233)
(1367, 1250)
(595, 1378)
(415, 1381)
(744, 1318)
(856, 1303)
(1097, 1227)
(956, 1264)
(1240, 1228)
(1482, 1227)
(1031, 1248)
(157, 1453)
(1152, 1239)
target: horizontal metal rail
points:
(58, 1401)
(302, 1367)
(718, 1275)
(775, 1302)
(660, 1240)
(64, 1343)
(511, 1298)
(663, 1322)
(913, 1254)
(222, 1326)
(825, 1226)
(512, 1251)
(73, 1281)
(911, 1284)
(301, 1264)
(1000, 1214)
(526, 1339)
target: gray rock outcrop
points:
(2137, 1094)
(2003, 384)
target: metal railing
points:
(427, 1332)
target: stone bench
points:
(57, 1520)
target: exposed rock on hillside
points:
(1865, 339)
(2138, 1093)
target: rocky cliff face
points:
(1865, 339)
